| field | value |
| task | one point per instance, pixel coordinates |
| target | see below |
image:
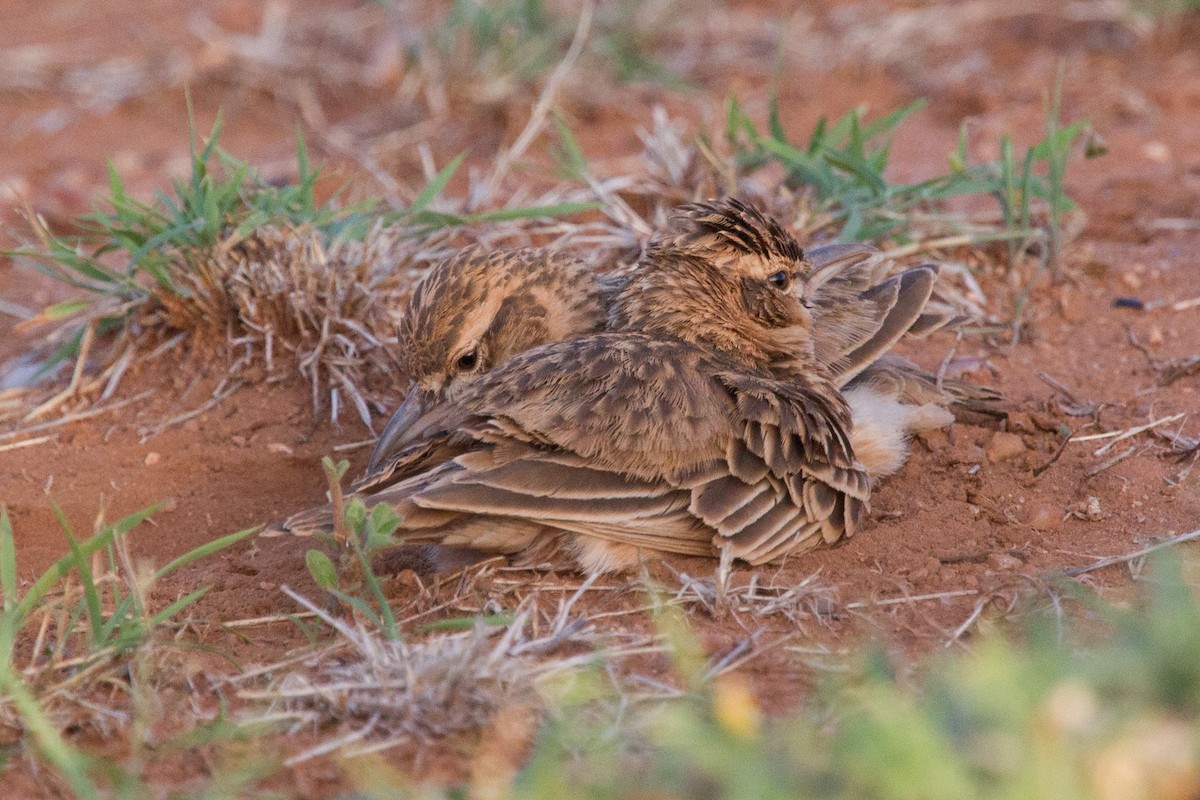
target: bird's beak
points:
(399, 431)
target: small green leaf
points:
(60, 311)
(356, 514)
(322, 570)
(384, 520)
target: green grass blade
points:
(120, 614)
(180, 604)
(8, 563)
(570, 160)
(360, 605)
(467, 623)
(91, 596)
(67, 760)
(387, 620)
(888, 123)
(60, 568)
(532, 212)
(435, 187)
(204, 550)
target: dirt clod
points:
(1003, 562)
(1005, 446)
(1044, 517)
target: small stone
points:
(1020, 422)
(1004, 446)
(1155, 337)
(1087, 509)
(1044, 517)
(152, 458)
(1132, 280)
(926, 570)
(1004, 561)
(934, 439)
(1156, 151)
(1073, 305)
(280, 447)
(1045, 422)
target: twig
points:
(1077, 408)
(537, 117)
(75, 417)
(916, 598)
(1037, 471)
(13, 310)
(212, 402)
(342, 448)
(1119, 457)
(85, 348)
(1145, 551)
(1125, 434)
(25, 443)
(980, 604)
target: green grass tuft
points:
(843, 165)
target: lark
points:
(478, 309)
(701, 422)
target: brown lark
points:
(478, 310)
(701, 422)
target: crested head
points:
(725, 277)
(477, 309)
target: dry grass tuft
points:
(329, 307)
(443, 686)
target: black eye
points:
(468, 360)
(780, 280)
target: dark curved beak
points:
(399, 431)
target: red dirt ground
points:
(953, 520)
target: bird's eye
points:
(468, 360)
(780, 280)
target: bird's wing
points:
(859, 310)
(902, 300)
(790, 479)
(900, 378)
(650, 444)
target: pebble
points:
(1004, 446)
(1004, 561)
(153, 458)
(1020, 422)
(1044, 517)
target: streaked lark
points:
(701, 422)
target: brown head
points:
(727, 278)
(476, 310)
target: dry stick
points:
(1055, 383)
(1037, 471)
(969, 621)
(1109, 462)
(342, 448)
(25, 443)
(14, 310)
(913, 598)
(961, 240)
(75, 417)
(1125, 434)
(1110, 560)
(537, 117)
(211, 403)
(85, 347)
